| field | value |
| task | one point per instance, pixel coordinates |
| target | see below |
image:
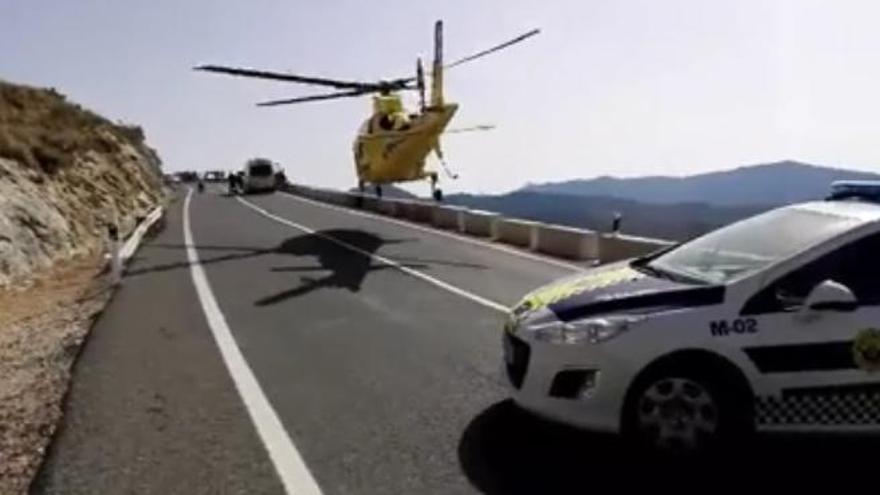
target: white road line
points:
(381, 259)
(460, 238)
(289, 465)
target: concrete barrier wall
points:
(346, 199)
(371, 203)
(479, 223)
(620, 247)
(402, 208)
(517, 232)
(319, 195)
(553, 240)
(378, 205)
(300, 190)
(387, 207)
(327, 196)
(566, 242)
(448, 217)
(418, 211)
(330, 196)
(294, 189)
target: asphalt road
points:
(385, 381)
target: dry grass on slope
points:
(40, 129)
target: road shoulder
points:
(152, 408)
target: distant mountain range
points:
(767, 184)
(667, 207)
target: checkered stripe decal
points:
(847, 408)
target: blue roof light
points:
(867, 190)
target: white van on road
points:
(259, 176)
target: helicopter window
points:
(386, 122)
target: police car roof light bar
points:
(868, 190)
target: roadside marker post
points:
(115, 259)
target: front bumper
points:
(533, 367)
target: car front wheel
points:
(678, 411)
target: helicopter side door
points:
(373, 148)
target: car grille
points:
(516, 359)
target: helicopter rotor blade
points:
(484, 127)
(280, 76)
(304, 99)
(494, 49)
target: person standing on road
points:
(615, 223)
(114, 247)
(232, 178)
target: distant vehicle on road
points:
(259, 176)
(215, 176)
(771, 323)
(187, 176)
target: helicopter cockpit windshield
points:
(390, 114)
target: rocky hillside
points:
(65, 172)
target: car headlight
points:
(593, 330)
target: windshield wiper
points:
(666, 274)
(650, 270)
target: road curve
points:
(361, 333)
(293, 347)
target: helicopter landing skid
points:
(449, 173)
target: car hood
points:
(616, 288)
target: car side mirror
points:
(831, 296)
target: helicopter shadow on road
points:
(347, 269)
(505, 450)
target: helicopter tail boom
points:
(437, 69)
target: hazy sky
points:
(619, 87)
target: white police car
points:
(771, 323)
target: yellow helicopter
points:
(392, 144)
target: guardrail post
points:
(115, 258)
(615, 247)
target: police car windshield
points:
(751, 245)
